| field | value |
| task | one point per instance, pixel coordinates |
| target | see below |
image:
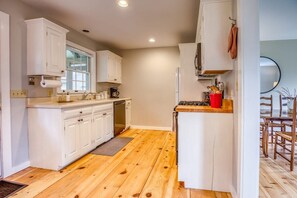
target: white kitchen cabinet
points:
(205, 150)
(71, 138)
(212, 32)
(85, 132)
(128, 114)
(46, 48)
(57, 137)
(109, 67)
(103, 123)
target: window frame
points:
(92, 55)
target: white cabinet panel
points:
(212, 32)
(205, 150)
(85, 130)
(109, 67)
(71, 147)
(98, 129)
(128, 114)
(46, 48)
(57, 137)
(108, 128)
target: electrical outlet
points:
(18, 93)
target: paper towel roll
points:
(50, 83)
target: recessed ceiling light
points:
(123, 3)
(152, 40)
(86, 31)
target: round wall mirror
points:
(270, 74)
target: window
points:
(80, 64)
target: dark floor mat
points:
(112, 147)
(8, 188)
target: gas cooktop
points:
(194, 103)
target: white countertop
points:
(79, 103)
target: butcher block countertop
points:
(227, 107)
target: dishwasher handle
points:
(120, 102)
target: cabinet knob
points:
(62, 71)
(80, 112)
(78, 120)
(81, 119)
(104, 114)
(115, 79)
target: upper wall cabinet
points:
(212, 32)
(46, 48)
(109, 67)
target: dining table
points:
(270, 117)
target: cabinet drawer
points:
(105, 107)
(77, 112)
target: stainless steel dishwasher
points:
(119, 117)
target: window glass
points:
(77, 75)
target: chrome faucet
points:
(85, 95)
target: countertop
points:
(227, 107)
(56, 105)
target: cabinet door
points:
(98, 129)
(128, 114)
(118, 72)
(214, 46)
(85, 130)
(55, 47)
(71, 147)
(111, 68)
(108, 125)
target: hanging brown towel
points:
(232, 41)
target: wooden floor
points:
(144, 168)
(276, 179)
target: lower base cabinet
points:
(58, 137)
(205, 150)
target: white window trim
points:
(90, 53)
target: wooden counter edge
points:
(227, 107)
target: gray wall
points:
(148, 77)
(19, 12)
(283, 52)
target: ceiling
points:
(169, 21)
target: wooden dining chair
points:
(283, 102)
(287, 140)
(267, 104)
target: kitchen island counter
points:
(205, 146)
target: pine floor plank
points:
(20, 174)
(276, 180)
(136, 180)
(111, 184)
(158, 181)
(91, 175)
(40, 184)
(145, 167)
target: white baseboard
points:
(233, 192)
(151, 128)
(20, 167)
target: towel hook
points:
(233, 20)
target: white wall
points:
(278, 19)
(247, 88)
(283, 52)
(148, 77)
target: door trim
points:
(6, 157)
